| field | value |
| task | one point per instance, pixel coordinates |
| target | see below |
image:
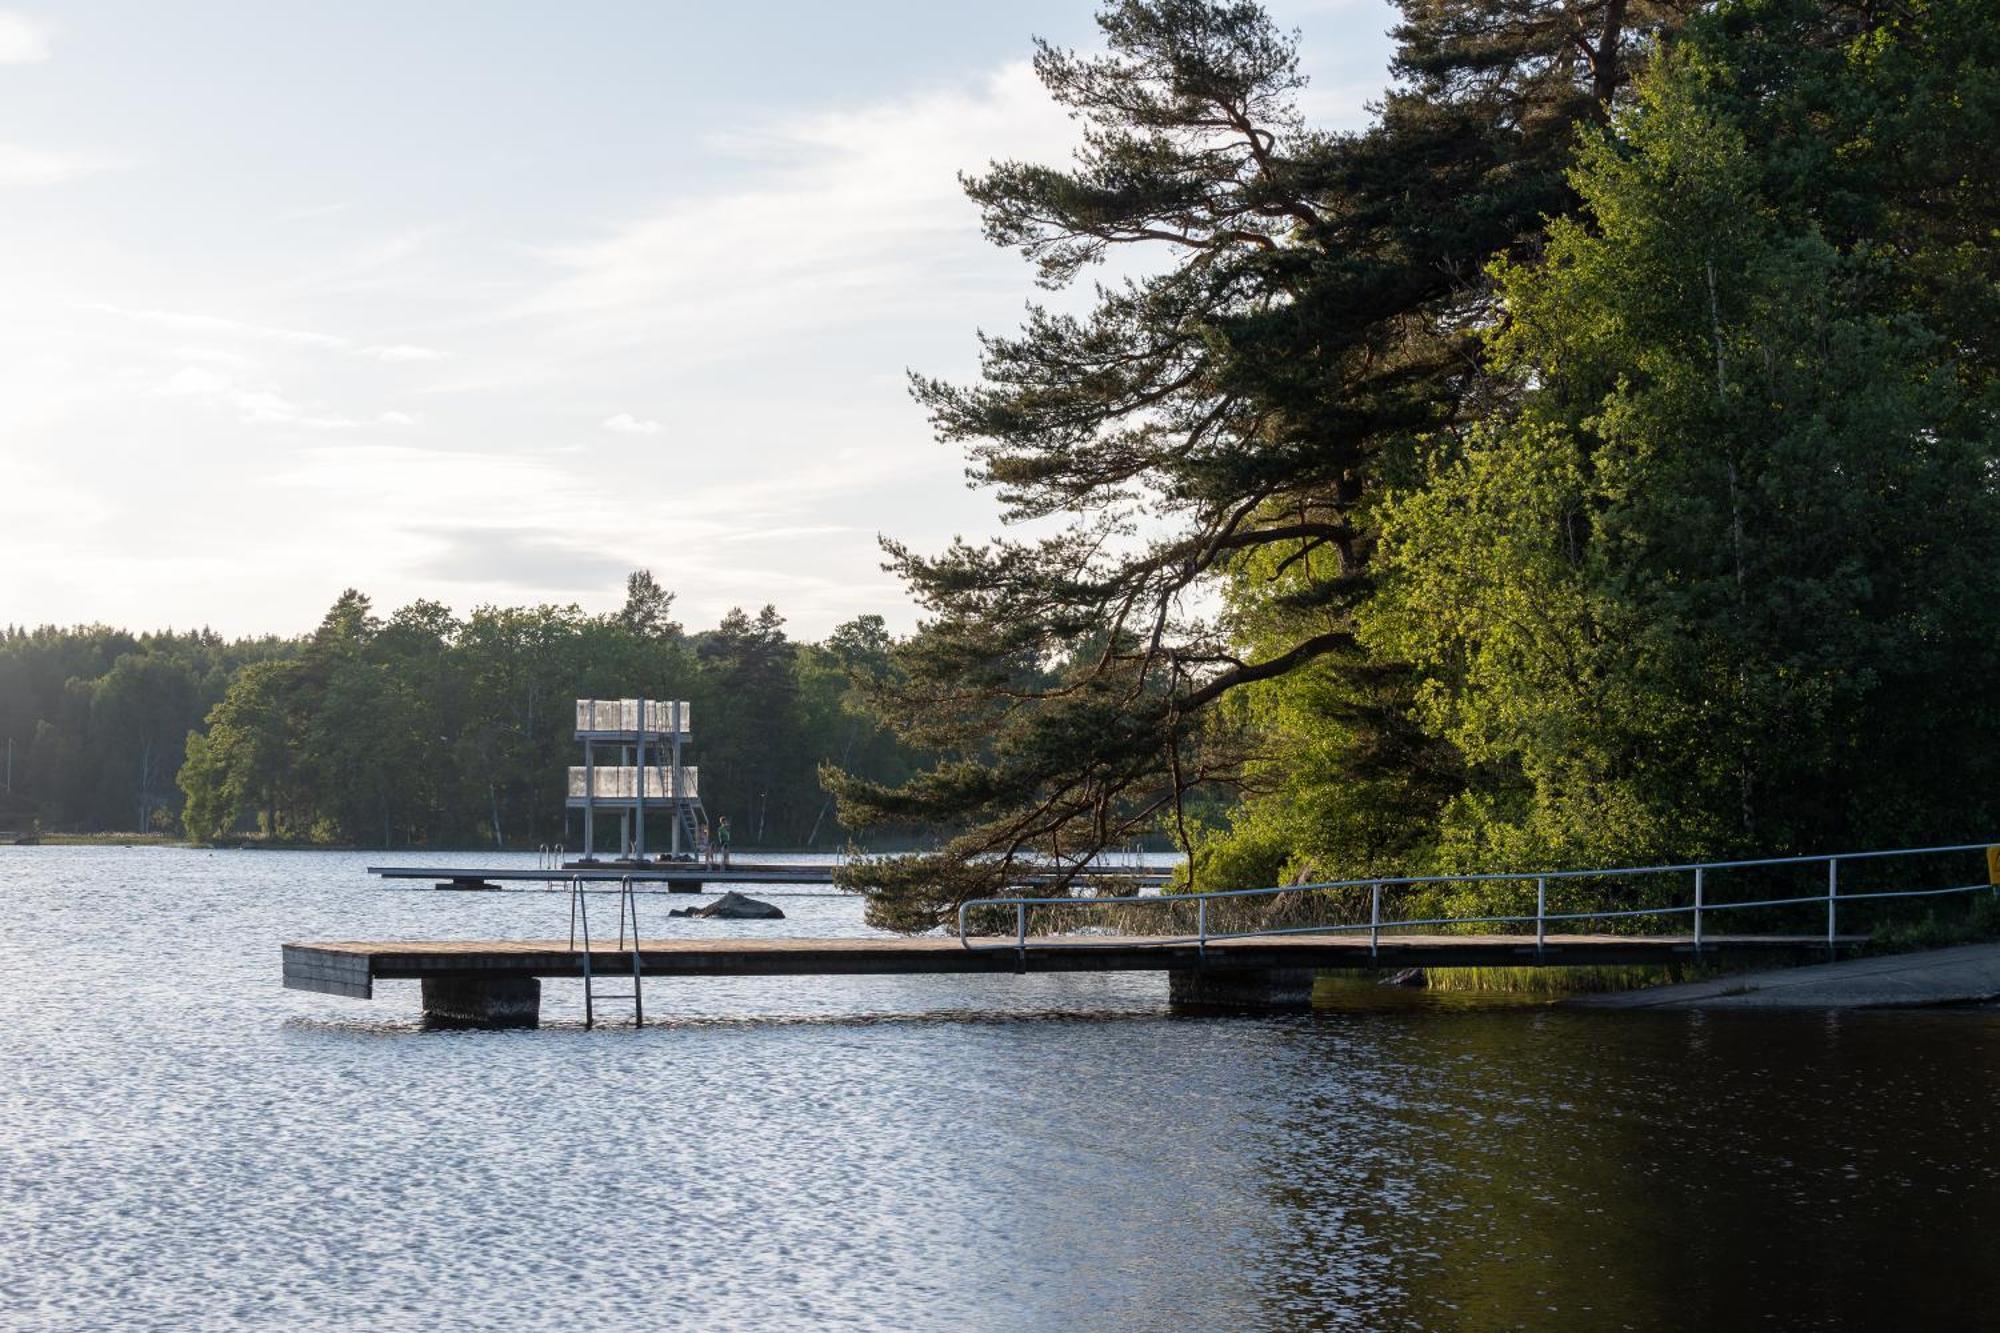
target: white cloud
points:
(767, 299)
(197, 382)
(193, 323)
(35, 166)
(256, 402)
(451, 320)
(396, 263)
(218, 324)
(312, 211)
(816, 573)
(268, 407)
(23, 41)
(848, 216)
(627, 424)
(215, 356)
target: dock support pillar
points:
(1256, 989)
(482, 1002)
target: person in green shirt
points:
(722, 839)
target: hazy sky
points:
(493, 302)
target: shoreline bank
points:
(1961, 974)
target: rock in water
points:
(735, 907)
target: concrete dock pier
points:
(482, 1002)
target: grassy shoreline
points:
(1937, 928)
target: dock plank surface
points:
(350, 967)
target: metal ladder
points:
(692, 816)
(628, 911)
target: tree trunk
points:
(1604, 65)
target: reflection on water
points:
(183, 1143)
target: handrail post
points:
(1201, 926)
(589, 1012)
(1697, 908)
(1021, 932)
(1541, 911)
(1375, 918)
(1832, 892)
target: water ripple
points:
(187, 1145)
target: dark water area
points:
(184, 1144)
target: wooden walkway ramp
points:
(497, 982)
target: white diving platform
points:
(641, 742)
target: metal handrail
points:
(628, 911)
(1376, 924)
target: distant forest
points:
(424, 729)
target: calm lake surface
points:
(185, 1144)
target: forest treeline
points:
(422, 728)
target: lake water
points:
(185, 1144)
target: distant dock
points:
(677, 876)
(693, 876)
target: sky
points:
(487, 301)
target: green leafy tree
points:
(836, 680)
(648, 607)
(243, 764)
(1729, 577)
(749, 771)
(140, 714)
(423, 728)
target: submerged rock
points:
(734, 907)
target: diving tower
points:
(632, 766)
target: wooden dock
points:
(1260, 972)
(684, 876)
(677, 876)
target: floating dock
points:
(497, 983)
(678, 876)
(691, 876)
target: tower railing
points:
(662, 717)
(616, 782)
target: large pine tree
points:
(1317, 310)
